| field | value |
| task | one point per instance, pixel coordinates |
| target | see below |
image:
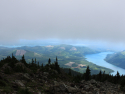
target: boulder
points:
(6, 66)
(19, 83)
(92, 81)
(59, 87)
(27, 76)
(45, 73)
(72, 89)
(83, 81)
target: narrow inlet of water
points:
(98, 59)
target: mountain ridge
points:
(65, 53)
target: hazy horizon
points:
(90, 44)
(91, 23)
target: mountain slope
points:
(117, 59)
(66, 55)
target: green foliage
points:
(19, 68)
(74, 73)
(117, 59)
(49, 61)
(77, 78)
(24, 91)
(2, 83)
(7, 71)
(87, 74)
(52, 67)
(122, 83)
(100, 76)
(24, 61)
(64, 56)
(118, 76)
(7, 89)
(57, 67)
(69, 72)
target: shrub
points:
(2, 83)
(7, 71)
(24, 91)
(19, 68)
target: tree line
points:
(77, 77)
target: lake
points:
(98, 59)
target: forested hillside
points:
(69, 56)
(117, 59)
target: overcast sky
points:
(93, 20)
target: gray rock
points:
(19, 83)
(86, 87)
(93, 81)
(71, 89)
(6, 66)
(39, 92)
(45, 73)
(27, 76)
(59, 87)
(82, 81)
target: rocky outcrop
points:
(52, 86)
(85, 87)
(5, 66)
(42, 82)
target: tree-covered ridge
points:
(65, 53)
(12, 69)
(117, 59)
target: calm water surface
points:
(98, 59)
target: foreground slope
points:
(18, 77)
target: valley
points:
(68, 56)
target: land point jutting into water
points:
(99, 59)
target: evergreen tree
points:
(32, 61)
(38, 64)
(49, 61)
(12, 55)
(35, 60)
(57, 66)
(12, 61)
(103, 76)
(69, 72)
(42, 66)
(117, 76)
(100, 75)
(56, 59)
(87, 74)
(104, 73)
(122, 83)
(23, 61)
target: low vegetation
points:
(11, 68)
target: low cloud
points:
(62, 19)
